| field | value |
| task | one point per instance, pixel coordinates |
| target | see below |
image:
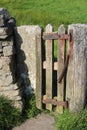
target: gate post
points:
(38, 67)
(76, 88)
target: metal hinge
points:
(55, 102)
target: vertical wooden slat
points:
(49, 66)
(38, 68)
(61, 56)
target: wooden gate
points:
(51, 71)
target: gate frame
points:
(60, 66)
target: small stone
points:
(10, 93)
(5, 32)
(6, 60)
(9, 88)
(6, 43)
(8, 50)
(12, 21)
(6, 79)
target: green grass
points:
(11, 116)
(30, 109)
(68, 121)
(43, 12)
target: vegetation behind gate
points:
(43, 12)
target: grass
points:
(11, 116)
(68, 121)
(43, 12)
(30, 109)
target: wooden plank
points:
(38, 69)
(61, 59)
(49, 66)
(54, 35)
(55, 65)
(50, 35)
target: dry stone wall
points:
(8, 81)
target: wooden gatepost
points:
(70, 65)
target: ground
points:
(41, 122)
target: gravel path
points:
(41, 122)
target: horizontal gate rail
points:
(55, 35)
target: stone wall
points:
(17, 58)
(8, 81)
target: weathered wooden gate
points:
(49, 70)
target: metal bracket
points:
(55, 102)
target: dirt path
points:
(41, 122)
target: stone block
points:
(5, 32)
(10, 87)
(8, 41)
(9, 66)
(8, 50)
(6, 79)
(10, 93)
(6, 60)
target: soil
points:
(41, 122)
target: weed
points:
(30, 109)
(9, 115)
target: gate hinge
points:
(55, 102)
